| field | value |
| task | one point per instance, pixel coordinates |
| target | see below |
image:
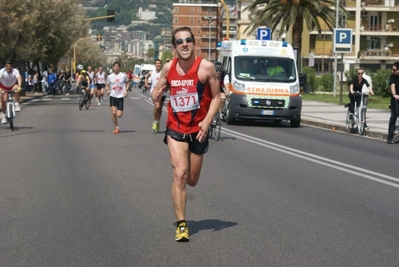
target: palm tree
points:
(281, 14)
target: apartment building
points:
(375, 29)
(203, 17)
(374, 25)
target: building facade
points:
(203, 17)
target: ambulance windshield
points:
(264, 69)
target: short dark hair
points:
(116, 62)
(8, 61)
(182, 29)
(155, 61)
(396, 64)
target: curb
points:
(342, 128)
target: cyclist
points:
(130, 78)
(151, 80)
(10, 79)
(83, 79)
(223, 84)
(357, 86)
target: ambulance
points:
(269, 89)
(136, 75)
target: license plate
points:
(267, 112)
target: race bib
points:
(185, 99)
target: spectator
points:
(394, 86)
(51, 80)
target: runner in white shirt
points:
(116, 86)
(101, 79)
(10, 79)
(92, 85)
(154, 77)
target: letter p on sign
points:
(342, 40)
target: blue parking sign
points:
(342, 40)
(264, 34)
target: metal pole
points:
(342, 73)
(336, 60)
(209, 49)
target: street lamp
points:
(209, 18)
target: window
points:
(191, 10)
(191, 21)
(198, 20)
(198, 31)
(175, 20)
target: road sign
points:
(264, 34)
(342, 41)
(311, 59)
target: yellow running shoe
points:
(182, 233)
(157, 127)
(154, 126)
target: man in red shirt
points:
(194, 100)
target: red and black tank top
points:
(189, 99)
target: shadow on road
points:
(210, 224)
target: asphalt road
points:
(74, 194)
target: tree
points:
(34, 30)
(89, 53)
(150, 54)
(280, 14)
(166, 55)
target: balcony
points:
(378, 3)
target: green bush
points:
(327, 82)
(311, 75)
(380, 81)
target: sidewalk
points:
(324, 115)
(331, 116)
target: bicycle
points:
(10, 105)
(395, 137)
(215, 127)
(358, 119)
(84, 99)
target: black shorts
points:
(100, 86)
(194, 145)
(116, 102)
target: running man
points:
(158, 105)
(194, 100)
(101, 78)
(116, 86)
(10, 79)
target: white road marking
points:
(374, 176)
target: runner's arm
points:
(162, 83)
(208, 70)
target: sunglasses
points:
(360, 73)
(181, 41)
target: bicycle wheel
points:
(217, 126)
(10, 115)
(349, 123)
(87, 103)
(395, 137)
(361, 124)
(81, 103)
(210, 131)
